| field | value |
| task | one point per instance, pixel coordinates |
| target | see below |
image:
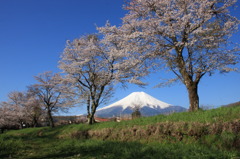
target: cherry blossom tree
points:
(13, 111)
(5, 119)
(188, 37)
(52, 93)
(22, 108)
(93, 65)
(17, 107)
(34, 109)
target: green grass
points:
(222, 114)
(64, 141)
(40, 148)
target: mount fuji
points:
(148, 106)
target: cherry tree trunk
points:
(193, 97)
(91, 119)
(50, 119)
(20, 124)
(35, 122)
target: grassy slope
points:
(61, 142)
(222, 114)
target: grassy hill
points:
(203, 134)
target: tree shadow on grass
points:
(46, 144)
(129, 150)
(100, 149)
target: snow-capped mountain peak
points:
(147, 105)
(140, 100)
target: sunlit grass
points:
(222, 114)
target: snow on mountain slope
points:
(147, 105)
(140, 99)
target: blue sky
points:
(33, 34)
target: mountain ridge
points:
(147, 105)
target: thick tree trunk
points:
(189, 82)
(50, 119)
(20, 124)
(88, 105)
(91, 119)
(35, 122)
(2, 130)
(193, 96)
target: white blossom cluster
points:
(188, 37)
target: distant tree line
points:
(190, 38)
